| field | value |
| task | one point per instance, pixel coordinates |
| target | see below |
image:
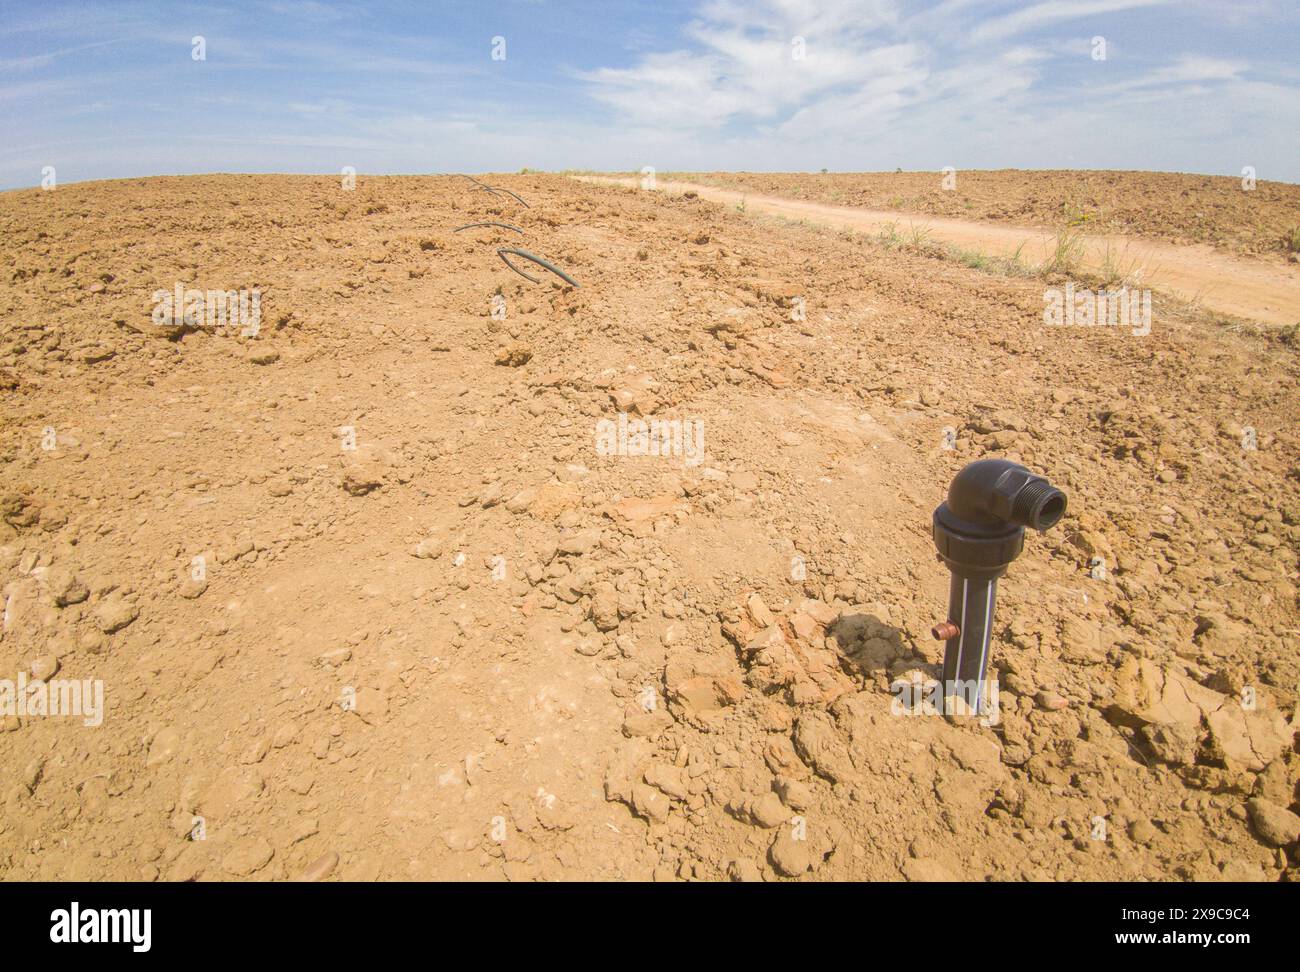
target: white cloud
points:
(1050, 12)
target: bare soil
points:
(1263, 289)
(479, 647)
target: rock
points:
(427, 548)
(1250, 738)
(819, 745)
(768, 811)
(700, 696)
(1081, 642)
(1278, 782)
(371, 705)
(1220, 635)
(579, 543)
(603, 610)
(1142, 832)
(1146, 694)
(1051, 701)
(790, 857)
(821, 612)
(782, 760)
(256, 752)
(1276, 826)
(114, 613)
(668, 779)
(522, 500)
(649, 803)
(1174, 744)
(65, 587)
(191, 588)
(248, 858)
(514, 356)
(804, 626)
(647, 725)
(264, 357)
(44, 667)
(742, 870)
(166, 743)
(364, 469)
(759, 611)
(796, 794)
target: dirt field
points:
(1170, 206)
(1252, 288)
(483, 645)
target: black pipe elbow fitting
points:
(978, 532)
(980, 529)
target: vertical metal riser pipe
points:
(971, 602)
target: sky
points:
(114, 89)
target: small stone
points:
(44, 667)
(320, 869)
(1142, 832)
(1051, 701)
(647, 725)
(649, 803)
(796, 794)
(579, 543)
(769, 811)
(164, 746)
(514, 356)
(427, 548)
(191, 588)
(1276, 826)
(256, 752)
(790, 857)
(264, 357)
(759, 611)
(604, 606)
(744, 871)
(668, 779)
(65, 587)
(114, 613)
(371, 705)
(248, 858)
(522, 500)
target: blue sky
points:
(108, 90)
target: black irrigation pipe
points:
(536, 259)
(497, 190)
(515, 194)
(515, 229)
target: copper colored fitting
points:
(945, 631)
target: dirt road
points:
(1264, 290)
